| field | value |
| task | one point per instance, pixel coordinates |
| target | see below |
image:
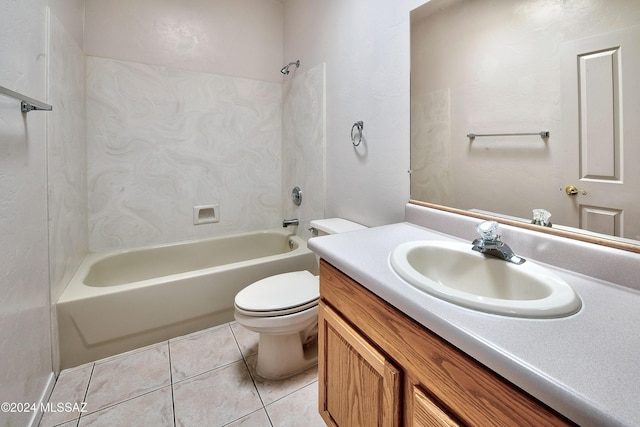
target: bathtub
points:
(122, 300)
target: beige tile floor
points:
(203, 379)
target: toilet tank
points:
(323, 227)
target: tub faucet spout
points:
(288, 222)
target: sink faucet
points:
(490, 244)
(288, 222)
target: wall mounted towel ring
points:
(358, 134)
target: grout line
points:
(236, 340)
(190, 377)
(253, 381)
(86, 392)
(248, 415)
(173, 400)
(196, 333)
(126, 400)
(293, 391)
(268, 416)
(127, 353)
(244, 359)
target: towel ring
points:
(359, 126)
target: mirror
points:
(510, 67)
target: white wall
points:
(25, 347)
(228, 37)
(28, 49)
(365, 45)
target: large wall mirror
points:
(519, 105)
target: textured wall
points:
(162, 140)
(228, 37)
(365, 46)
(25, 326)
(25, 349)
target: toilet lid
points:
(281, 293)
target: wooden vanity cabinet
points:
(355, 368)
(378, 367)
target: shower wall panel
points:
(303, 145)
(66, 163)
(162, 140)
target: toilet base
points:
(281, 356)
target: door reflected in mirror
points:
(510, 70)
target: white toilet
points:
(283, 309)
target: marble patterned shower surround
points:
(162, 140)
(66, 164)
(431, 146)
(303, 145)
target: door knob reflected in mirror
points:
(571, 190)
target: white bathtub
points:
(122, 300)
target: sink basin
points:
(455, 273)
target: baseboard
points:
(46, 394)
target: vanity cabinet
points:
(354, 368)
(378, 367)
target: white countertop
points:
(585, 366)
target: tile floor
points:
(203, 379)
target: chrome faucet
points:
(288, 222)
(490, 244)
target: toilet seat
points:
(279, 295)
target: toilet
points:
(283, 309)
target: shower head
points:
(285, 69)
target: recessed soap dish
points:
(206, 214)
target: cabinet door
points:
(427, 413)
(358, 385)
